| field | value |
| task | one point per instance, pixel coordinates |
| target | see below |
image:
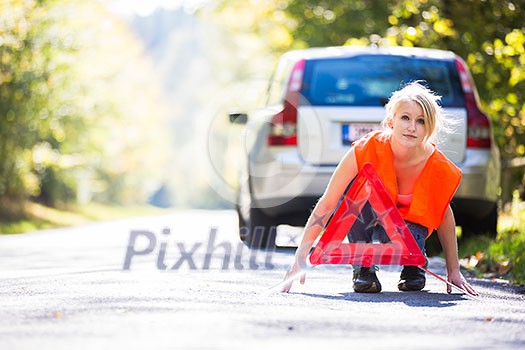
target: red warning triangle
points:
(402, 248)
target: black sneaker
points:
(412, 278)
(365, 280)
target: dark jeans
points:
(367, 228)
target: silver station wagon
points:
(320, 100)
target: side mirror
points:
(238, 117)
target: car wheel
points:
(487, 226)
(258, 230)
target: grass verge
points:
(503, 257)
(34, 216)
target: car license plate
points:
(353, 132)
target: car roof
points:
(348, 51)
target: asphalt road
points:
(182, 281)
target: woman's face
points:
(408, 124)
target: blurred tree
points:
(81, 113)
(332, 22)
(254, 21)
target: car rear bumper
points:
(291, 190)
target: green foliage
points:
(333, 22)
(80, 108)
(503, 256)
(508, 253)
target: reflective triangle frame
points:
(402, 250)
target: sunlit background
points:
(126, 102)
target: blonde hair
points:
(430, 104)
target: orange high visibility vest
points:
(434, 189)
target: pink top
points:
(404, 200)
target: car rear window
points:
(369, 80)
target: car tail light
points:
(283, 128)
(478, 123)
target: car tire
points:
(487, 226)
(258, 230)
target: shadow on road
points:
(413, 299)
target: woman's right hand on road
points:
(291, 275)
